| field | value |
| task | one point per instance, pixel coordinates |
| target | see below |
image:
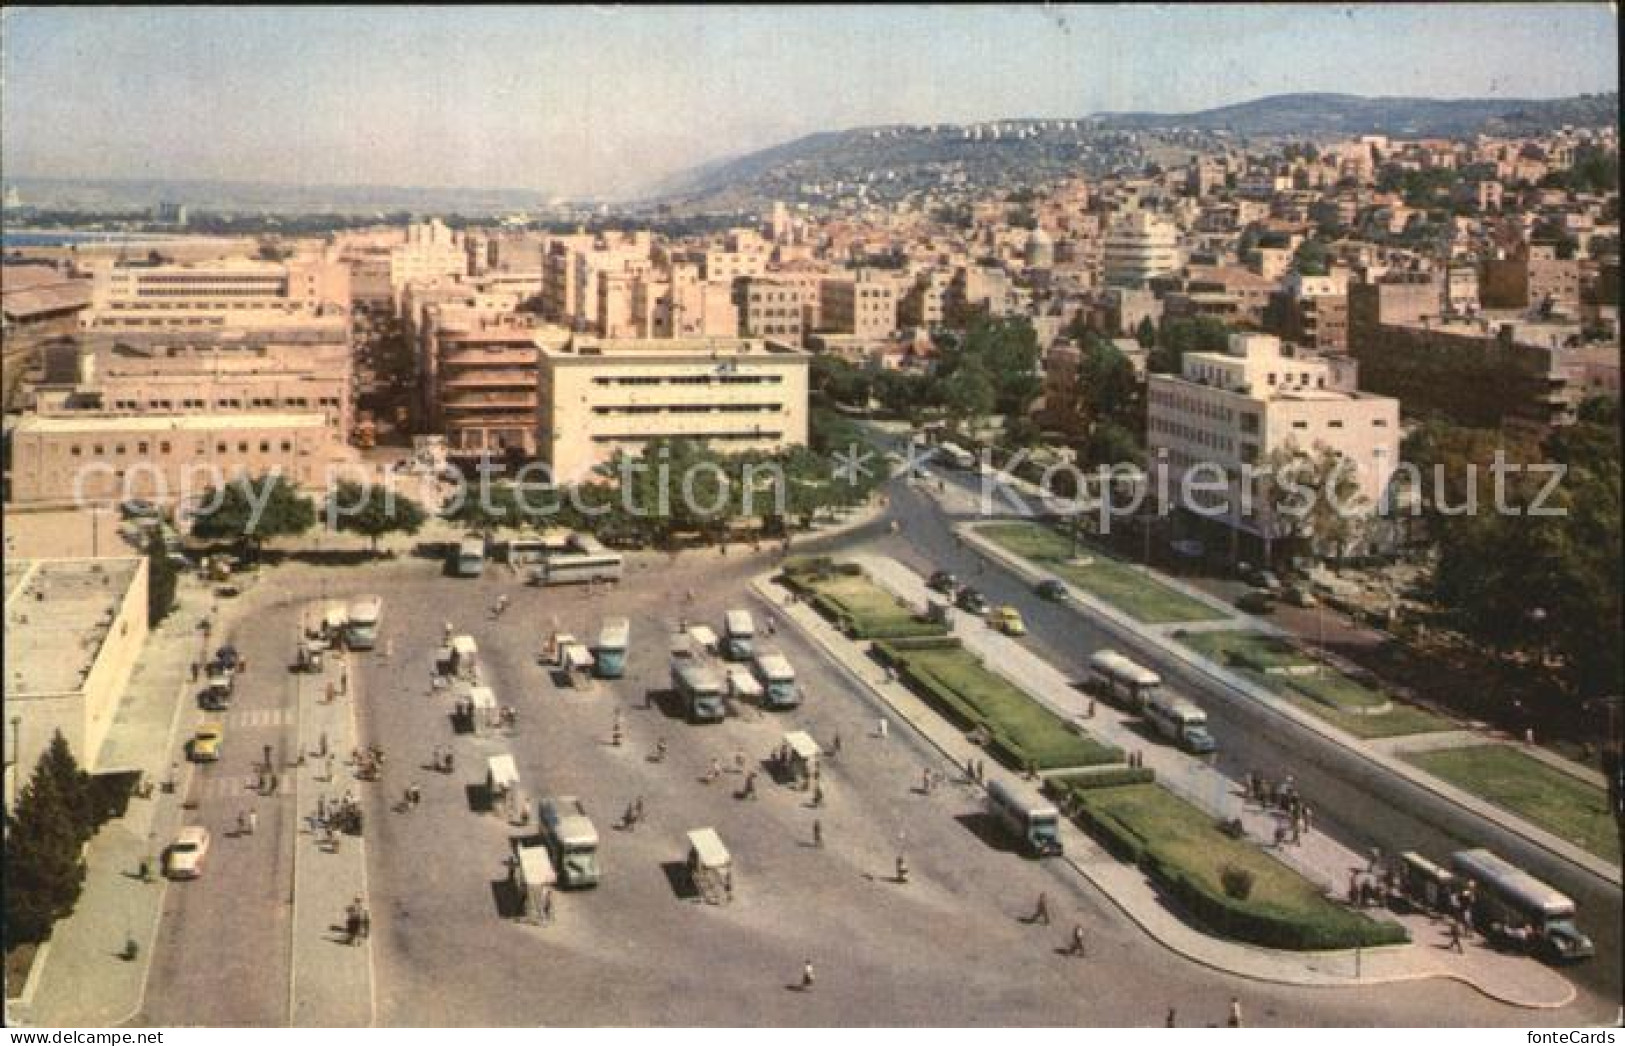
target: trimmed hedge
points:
(1253, 921)
(1101, 777)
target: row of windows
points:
(693, 379)
(1199, 405)
(1192, 434)
(692, 408)
(144, 449)
(299, 402)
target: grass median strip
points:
(1563, 804)
(1023, 731)
(859, 606)
(1129, 589)
(1186, 853)
(1327, 693)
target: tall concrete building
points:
(598, 396)
(1140, 247)
(1235, 408)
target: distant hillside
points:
(892, 162)
(1316, 114)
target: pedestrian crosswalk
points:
(249, 718)
(226, 786)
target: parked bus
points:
(573, 567)
(955, 455)
(610, 653)
(1180, 721)
(778, 678)
(571, 840)
(1522, 906)
(698, 685)
(1038, 826)
(469, 556)
(1121, 680)
(361, 629)
(738, 635)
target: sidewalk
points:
(331, 982)
(79, 978)
(1504, 978)
(1120, 623)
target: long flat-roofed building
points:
(236, 292)
(101, 457)
(74, 629)
(597, 397)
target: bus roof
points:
(774, 665)
(1005, 795)
(365, 607)
(698, 676)
(464, 646)
(535, 867)
(482, 697)
(473, 543)
(1178, 706)
(1489, 870)
(739, 623)
(614, 633)
(587, 544)
(708, 848)
(802, 744)
(1113, 663)
(504, 772)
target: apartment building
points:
(236, 293)
(74, 631)
(921, 304)
(1311, 311)
(1140, 247)
(769, 309)
(1235, 408)
(863, 305)
(570, 269)
(1534, 277)
(598, 396)
(431, 251)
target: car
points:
(1264, 579)
(1051, 589)
(206, 743)
(970, 601)
(184, 859)
(1007, 619)
(1299, 596)
(944, 582)
(1256, 602)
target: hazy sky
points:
(602, 100)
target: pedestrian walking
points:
(1078, 948)
(1091, 708)
(902, 869)
(882, 728)
(195, 671)
(807, 976)
(242, 823)
(1041, 911)
(366, 923)
(728, 883)
(629, 818)
(1455, 937)
(750, 785)
(739, 761)
(253, 821)
(818, 796)
(1235, 1013)
(1376, 859)
(1172, 1020)
(660, 750)
(925, 782)
(835, 745)
(714, 772)
(818, 834)
(352, 927)
(637, 807)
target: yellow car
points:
(1008, 620)
(206, 743)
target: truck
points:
(698, 686)
(1037, 825)
(610, 653)
(361, 625)
(1180, 721)
(738, 635)
(778, 678)
(571, 841)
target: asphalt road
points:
(1359, 804)
(948, 948)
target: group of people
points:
(442, 758)
(341, 815)
(368, 762)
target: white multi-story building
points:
(1236, 408)
(1140, 247)
(234, 293)
(597, 397)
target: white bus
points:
(1122, 680)
(572, 567)
(610, 652)
(361, 629)
(1038, 825)
(1519, 904)
(738, 635)
(1181, 722)
(469, 556)
(776, 674)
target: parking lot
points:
(951, 946)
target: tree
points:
(45, 834)
(253, 511)
(1186, 334)
(1146, 333)
(1311, 258)
(162, 580)
(373, 511)
(968, 393)
(1112, 444)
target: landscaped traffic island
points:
(1204, 868)
(854, 604)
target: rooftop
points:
(98, 421)
(58, 611)
(670, 348)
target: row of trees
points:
(46, 830)
(1546, 583)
